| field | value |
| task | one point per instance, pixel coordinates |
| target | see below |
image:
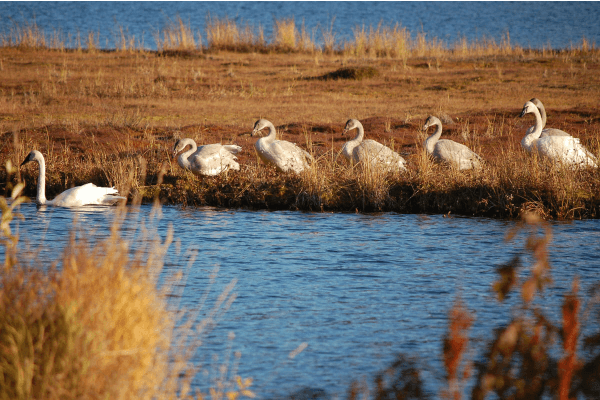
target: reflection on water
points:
(356, 288)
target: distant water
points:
(356, 288)
(530, 24)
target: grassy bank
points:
(112, 118)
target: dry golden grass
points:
(178, 36)
(224, 34)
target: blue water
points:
(530, 24)
(356, 289)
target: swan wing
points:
(377, 153)
(88, 194)
(552, 132)
(455, 153)
(548, 132)
(212, 159)
(286, 156)
(566, 149)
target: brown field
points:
(112, 117)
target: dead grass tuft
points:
(177, 36)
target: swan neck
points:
(433, 139)
(534, 135)
(41, 184)
(272, 132)
(543, 115)
(360, 134)
(183, 159)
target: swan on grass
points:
(546, 131)
(449, 151)
(208, 160)
(565, 149)
(286, 156)
(88, 194)
(358, 150)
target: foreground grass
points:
(112, 118)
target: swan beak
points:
(523, 112)
(254, 132)
(344, 132)
(25, 161)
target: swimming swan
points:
(284, 155)
(547, 131)
(88, 194)
(208, 160)
(566, 149)
(357, 149)
(449, 151)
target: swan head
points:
(259, 125)
(351, 124)
(432, 120)
(34, 155)
(178, 147)
(537, 102)
(529, 107)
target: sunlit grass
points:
(177, 35)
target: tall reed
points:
(285, 34)
(177, 35)
(25, 36)
(224, 34)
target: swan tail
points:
(110, 196)
(109, 200)
(111, 190)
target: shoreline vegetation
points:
(112, 117)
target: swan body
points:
(88, 194)
(449, 151)
(208, 160)
(286, 156)
(547, 131)
(358, 150)
(565, 149)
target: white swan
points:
(547, 131)
(88, 194)
(209, 160)
(565, 149)
(449, 151)
(359, 150)
(284, 155)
